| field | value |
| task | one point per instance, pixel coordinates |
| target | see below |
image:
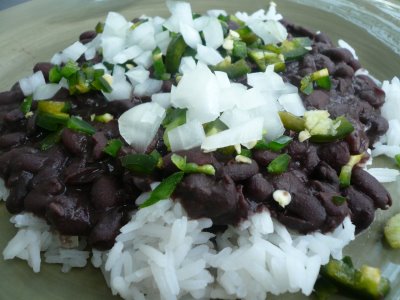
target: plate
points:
(35, 30)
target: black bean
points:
(10, 97)
(322, 62)
(375, 97)
(323, 38)
(362, 208)
(318, 99)
(15, 201)
(36, 202)
(258, 189)
(100, 142)
(239, 171)
(81, 175)
(338, 54)
(368, 184)
(264, 157)
(104, 192)
(87, 36)
(15, 115)
(355, 64)
(203, 196)
(74, 142)
(335, 212)
(326, 173)
(343, 70)
(70, 214)
(12, 139)
(335, 154)
(105, 231)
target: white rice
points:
(389, 144)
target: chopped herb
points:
(345, 172)
(239, 49)
(55, 74)
(50, 140)
(321, 78)
(157, 156)
(233, 70)
(112, 147)
(292, 122)
(70, 68)
(275, 145)
(181, 164)
(160, 71)
(397, 159)
(174, 118)
(164, 190)
(140, 163)
(99, 27)
(104, 118)
(279, 165)
(26, 105)
(365, 283)
(53, 107)
(80, 125)
(175, 51)
(51, 122)
(392, 231)
(338, 200)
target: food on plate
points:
(212, 156)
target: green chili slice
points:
(175, 51)
(26, 105)
(51, 122)
(164, 190)
(274, 145)
(181, 164)
(235, 70)
(112, 147)
(77, 124)
(279, 165)
(50, 140)
(139, 163)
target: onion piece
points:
(162, 99)
(292, 103)
(213, 34)
(216, 13)
(190, 35)
(127, 54)
(139, 125)
(115, 25)
(148, 87)
(252, 98)
(162, 41)
(270, 32)
(246, 133)
(56, 59)
(137, 75)
(186, 136)
(46, 91)
(145, 59)
(73, 52)
(180, 12)
(200, 23)
(29, 84)
(208, 55)
(143, 36)
(187, 64)
(111, 46)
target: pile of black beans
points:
(82, 191)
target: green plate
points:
(35, 30)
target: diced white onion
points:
(187, 64)
(90, 53)
(201, 22)
(138, 125)
(190, 35)
(115, 25)
(145, 59)
(127, 54)
(56, 59)
(162, 99)
(112, 46)
(74, 51)
(213, 34)
(29, 84)
(137, 75)
(208, 55)
(46, 91)
(270, 32)
(121, 89)
(248, 132)
(148, 87)
(292, 103)
(143, 36)
(393, 133)
(252, 98)
(216, 13)
(180, 12)
(187, 136)
(162, 41)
